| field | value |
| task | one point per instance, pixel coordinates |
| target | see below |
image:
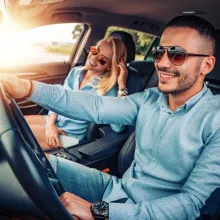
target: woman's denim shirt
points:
(78, 128)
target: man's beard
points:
(182, 84)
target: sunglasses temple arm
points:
(196, 55)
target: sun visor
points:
(32, 3)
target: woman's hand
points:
(77, 207)
(52, 135)
(122, 75)
(17, 88)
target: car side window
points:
(142, 40)
(148, 57)
(50, 43)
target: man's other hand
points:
(77, 207)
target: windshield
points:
(49, 43)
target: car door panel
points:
(52, 73)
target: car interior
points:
(23, 165)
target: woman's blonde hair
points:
(108, 81)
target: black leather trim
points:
(126, 154)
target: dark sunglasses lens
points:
(157, 53)
(176, 55)
(102, 61)
(93, 50)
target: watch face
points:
(100, 208)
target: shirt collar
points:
(192, 101)
(162, 101)
(81, 73)
(95, 80)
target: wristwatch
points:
(123, 92)
(100, 210)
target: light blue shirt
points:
(73, 127)
(176, 165)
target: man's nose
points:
(165, 62)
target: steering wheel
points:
(21, 152)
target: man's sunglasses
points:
(95, 51)
(176, 55)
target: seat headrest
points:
(215, 74)
(129, 43)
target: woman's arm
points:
(52, 118)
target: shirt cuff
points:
(121, 211)
(38, 87)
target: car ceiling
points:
(152, 14)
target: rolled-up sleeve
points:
(87, 106)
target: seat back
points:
(126, 155)
(145, 69)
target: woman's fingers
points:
(122, 65)
(58, 143)
(51, 142)
(48, 141)
(122, 75)
(52, 136)
(54, 143)
(122, 68)
(60, 131)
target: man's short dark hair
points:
(203, 27)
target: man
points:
(176, 164)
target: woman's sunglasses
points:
(95, 51)
(176, 55)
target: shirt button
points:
(153, 160)
(131, 180)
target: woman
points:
(105, 62)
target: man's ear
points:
(208, 65)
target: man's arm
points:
(52, 117)
(86, 106)
(115, 127)
(202, 181)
